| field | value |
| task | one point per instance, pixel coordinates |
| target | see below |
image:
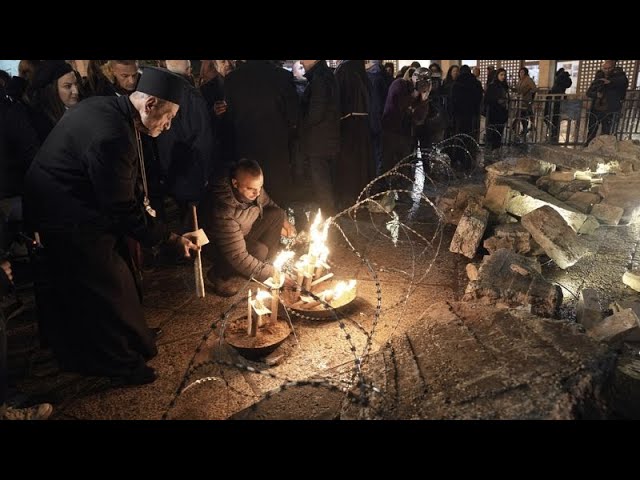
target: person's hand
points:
(219, 107)
(288, 230)
(184, 243)
(5, 266)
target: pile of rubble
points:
(543, 205)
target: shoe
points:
(37, 412)
(223, 287)
(140, 376)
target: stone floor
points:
(423, 355)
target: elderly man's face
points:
(126, 76)
(156, 116)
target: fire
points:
(282, 258)
(335, 293)
(318, 232)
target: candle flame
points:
(318, 232)
(282, 258)
(262, 295)
(342, 287)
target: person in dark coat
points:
(406, 108)
(244, 225)
(561, 82)
(320, 131)
(263, 108)
(299, 79)
(114, 77)
(19, 144)
(496, 103)
(465, 100)
(213, 93)
(55, 89)
(83, 197)
(607, 91)
(354, 169)
(186, 151)
(378, 91)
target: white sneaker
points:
(41, 411)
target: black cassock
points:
(355, 167)
(82, 196)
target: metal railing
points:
(568, 120)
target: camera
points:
(422, 84)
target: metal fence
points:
(568, 120)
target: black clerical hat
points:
(161, 83)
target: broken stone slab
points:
(553, 234)
(470, 230)
(607, 214)
(509, 278)
(621, 304)
(521, 166)
(454, 201)
(520, 198)
(562, 176)
(623, 191)
(564, 188)
(588, 310)
(573, 159)
(622, 326)
(631, 278)
(603, 144)
(627, 152)
(629, 146)
(583, 201)
(512, 237)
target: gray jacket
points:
(230, 222)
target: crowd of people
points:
(89, 156)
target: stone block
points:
(553, 234)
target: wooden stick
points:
(274, 304)
(321, 279)
(198, 261)
(251, 325)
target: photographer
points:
(561, 82)
(607, 91)
(405, 106)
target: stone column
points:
(546, 73)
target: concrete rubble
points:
(617, 328)
(470, 231)
(588, 309)
(551, 232)
(508, 279)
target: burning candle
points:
(259, 307)
(251, 325)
